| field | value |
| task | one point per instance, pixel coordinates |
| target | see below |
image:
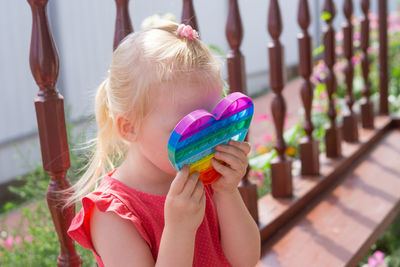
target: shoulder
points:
(116, 241)
(105, 224)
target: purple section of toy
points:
(201, 119)
(211, 123)
(194, 120)
(226, 106)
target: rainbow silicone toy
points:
(194, 138)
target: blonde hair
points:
(142, 62)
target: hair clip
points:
(187, 31)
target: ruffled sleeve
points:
(79, 230)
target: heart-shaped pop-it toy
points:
(194, 138)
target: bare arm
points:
(240, 237)
(117, 241)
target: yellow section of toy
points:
(202, 164)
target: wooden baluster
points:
(367, 108)
(383, 58)
(123, 25)
(309, 152)
(188, 15)
(49, 106)
(350, 120)
(333, 135)
(237, 83)
(281, 174)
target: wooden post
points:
(309, 152)
(123, 25)
(281, 173)
(383, 58)
(350, 120)
(49, 106)
(188, 15)
(333, 135)
(237, 83)
(367, 108)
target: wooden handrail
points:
(350, 120)
(309, 147)
(367, 108)
(188, 15)
(237, 83)
(281, 167)
(49, 104)
(332, 136)
(123, 25)
(383, 58)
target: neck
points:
(138, 172)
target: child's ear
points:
(126, 128)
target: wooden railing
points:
(52, 130)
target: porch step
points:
(342, 224)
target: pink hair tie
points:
(187, 31)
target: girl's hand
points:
(235, 156)
(185, 202)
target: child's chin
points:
(171, 171)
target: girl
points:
(144, 213)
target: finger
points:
(203, 197)
(233, 161)
(198, 191)
(242, 145)
(191, 184)
(180, 180)
(222, 169)
(231, 149)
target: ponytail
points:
(105, 145)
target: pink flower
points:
(355, 59)
(376, 259)
(9, 241)
(267, 137)
(357, 36)
(18, 240)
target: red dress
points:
(146, 212)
